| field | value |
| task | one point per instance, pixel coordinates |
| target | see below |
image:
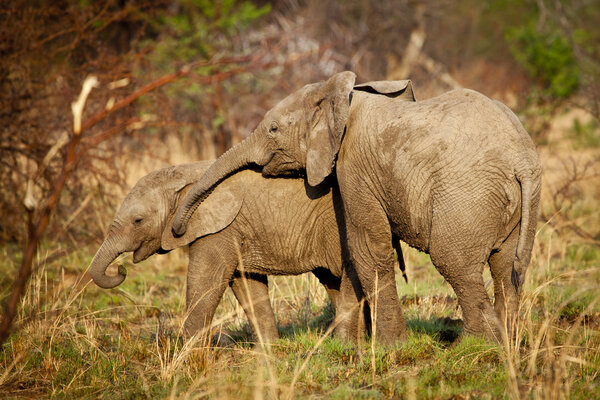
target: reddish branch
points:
(168, 79)
(36, 229)
(34, 234)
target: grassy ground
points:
(77, 340)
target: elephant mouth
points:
(281, 165)
(145, 250)
(139, 256)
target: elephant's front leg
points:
(252, 292)
(371, 252)
(210, 269)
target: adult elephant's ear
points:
(401, 90)
(329, 108)
(214, 214)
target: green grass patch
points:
(77, 340)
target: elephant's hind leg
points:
(459, 251)
(506, 294)
(252, 292)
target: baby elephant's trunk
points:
(103, 258)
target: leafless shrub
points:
(563, 211)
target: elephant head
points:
(143, 223)
(303, 132)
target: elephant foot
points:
(390, 329)
(349, 326)
(491, 330)
(344, 334)
(391, 341)
(229, 338)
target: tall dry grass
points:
(75, 339)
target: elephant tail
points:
(401, 264)
(530, 200)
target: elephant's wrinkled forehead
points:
(148, 181)
(143, 195)
(294, 100)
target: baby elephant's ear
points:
(401, 90)
(214, 214)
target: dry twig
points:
(37, 224)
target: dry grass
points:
(76, 340)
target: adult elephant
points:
(456, 176)
(250, 227)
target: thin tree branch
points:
(76, 149)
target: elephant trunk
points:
(250, 151)
(106, 255)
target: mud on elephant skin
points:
(249, 224)
(456, 176)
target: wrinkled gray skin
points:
(456, 176)
(249, 224)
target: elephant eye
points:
(274, 127)
(138, 220)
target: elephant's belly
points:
(277, 269)
(409, 213)
(269, 263)
(294, 247)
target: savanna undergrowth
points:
(73, 339)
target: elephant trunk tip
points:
(185, 211)
(109, 282)
(179, 225)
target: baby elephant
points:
(249, 226)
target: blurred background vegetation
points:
(540, 57)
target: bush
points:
(547, 57)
